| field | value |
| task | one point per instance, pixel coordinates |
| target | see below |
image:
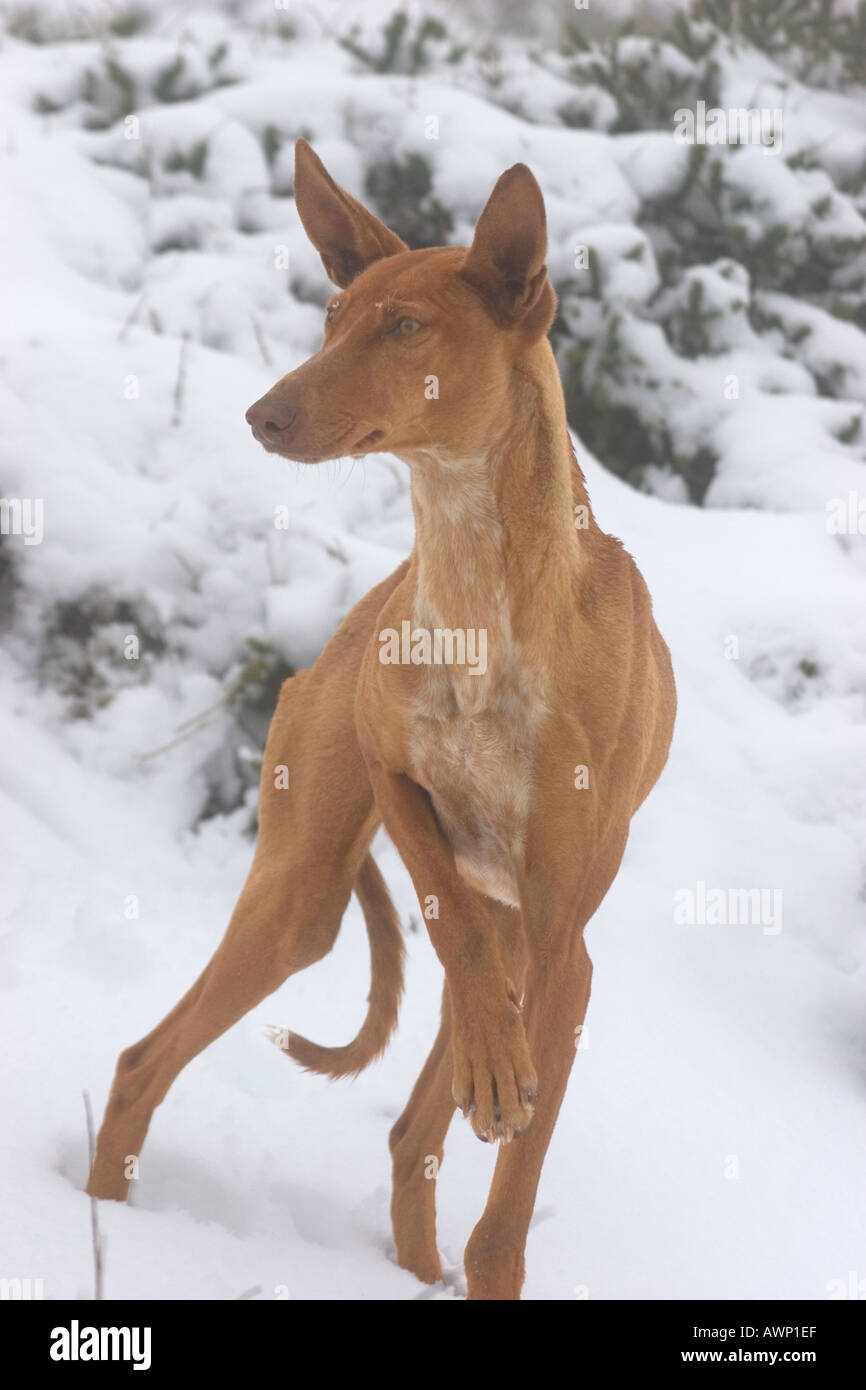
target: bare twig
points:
(190, 727)
(260, 339)
(180, 382)
(194, 574)
(96, 1234)
(131, 317)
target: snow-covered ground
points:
(712, 1138)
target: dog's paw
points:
(494, 1080)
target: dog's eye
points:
(407, 326)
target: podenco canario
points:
(507, 790)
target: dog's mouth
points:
(369, 441)
(295, 455)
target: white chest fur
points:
(471, 748)
(471, 736)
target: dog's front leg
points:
(494, 1081)
(558, 898)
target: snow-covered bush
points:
(700, 287)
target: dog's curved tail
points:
(386, 988)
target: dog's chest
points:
(471, 745)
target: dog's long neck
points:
(495, 534)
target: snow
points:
(711, 1141)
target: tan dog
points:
(507, 782)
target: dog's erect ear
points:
(505, 262)
(347, 237)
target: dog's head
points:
(419, 345)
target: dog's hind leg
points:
(417, 1143)
(317, 817)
